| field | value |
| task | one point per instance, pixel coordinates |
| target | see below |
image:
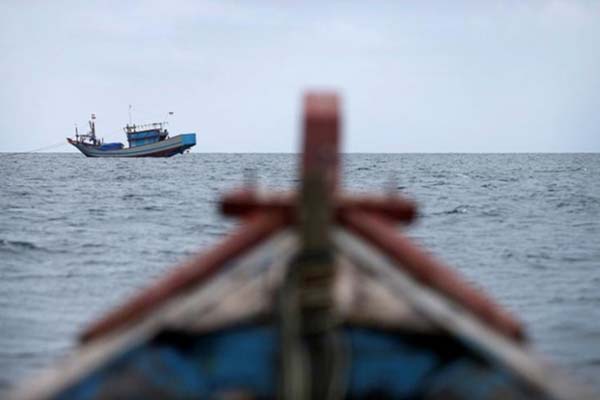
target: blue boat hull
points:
(166, 148)
(243, 360)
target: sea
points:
(80, 235)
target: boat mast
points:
(92, 123)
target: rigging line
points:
(62, 143)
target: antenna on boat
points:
(130, 114)
(92, 123)
(167, 117)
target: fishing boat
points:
(148, 140)
(316, 295)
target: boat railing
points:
(136, 128)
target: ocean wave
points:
(578, 202)
(131, 196)
(436, 183)
(560, 170)
(17, 246)
(462, 209)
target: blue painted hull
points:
(166, 148)
(244, 360)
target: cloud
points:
(471, 76)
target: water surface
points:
(78, 235)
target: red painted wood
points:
(247, 202)
(191, 273)
(320, 153)
(426, 269)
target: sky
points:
(414, 76)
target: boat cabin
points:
(139, 135)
